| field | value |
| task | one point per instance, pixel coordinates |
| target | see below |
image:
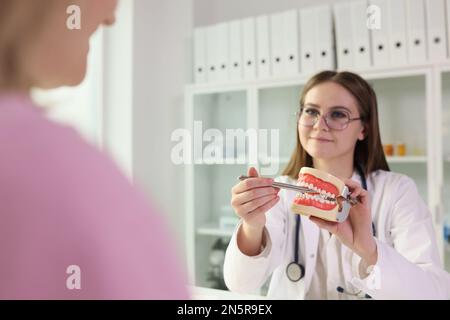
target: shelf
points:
(213, 229)
(264, 160)
(372, 73)
(407, 159)
(397, 159)
(226, 161)
(203, 293)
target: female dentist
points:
(386, 249)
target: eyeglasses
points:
(335, 119)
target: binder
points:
(416, 31)
(263, 47)
(211, 53)
(397, 32)
(324, 51)
(307, 40)
(436, 36)
(200, 55)
(344, 36)
(380, 37)
(361, 35)
(277, 44)
(235, 41)
(223, 55)
(291, 39)
(448, 28)
(249, 48)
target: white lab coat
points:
(408, 266)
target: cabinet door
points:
(277, 120)
(219, 153)
(403, 114)
(445, 191)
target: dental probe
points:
(352, 201)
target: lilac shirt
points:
(64, 203)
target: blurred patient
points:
(71, 225)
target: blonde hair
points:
(20, 22)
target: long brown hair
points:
(368, 152)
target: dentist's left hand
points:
(356, 231)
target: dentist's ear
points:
(362, 133)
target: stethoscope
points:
(295, 271)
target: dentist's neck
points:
(341, 168)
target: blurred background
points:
(242, 65)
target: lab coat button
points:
(312, 256)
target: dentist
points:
(386, 249)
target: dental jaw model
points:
(330, 200)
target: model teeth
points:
(318, 198)
(323, 193)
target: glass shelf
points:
(398, 97)
(213, 229)
(407, 159)
(277, 108)
(446, 154)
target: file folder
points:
(416, 30)
(263, 47)
(361, 35)
(235, 32)
(308, 31)
(223, 55)
(200, 55)
(380, 37)
(397, 32)
(324, 51)
(436, 34)
(291, 40)
(344, 36)
(448, 28)
(277, 44)
(249, 48)
(212, 53)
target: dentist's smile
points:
(320, 139)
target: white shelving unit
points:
(442, 91)
(422, 92)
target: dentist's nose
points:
(321, 125)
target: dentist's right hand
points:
(251, 199)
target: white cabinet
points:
(276, 111)
(403, 113)
(409, 113)
(444, 154)
(208, 182)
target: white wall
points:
(208, 12)
(161, 60)
(118, 88)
